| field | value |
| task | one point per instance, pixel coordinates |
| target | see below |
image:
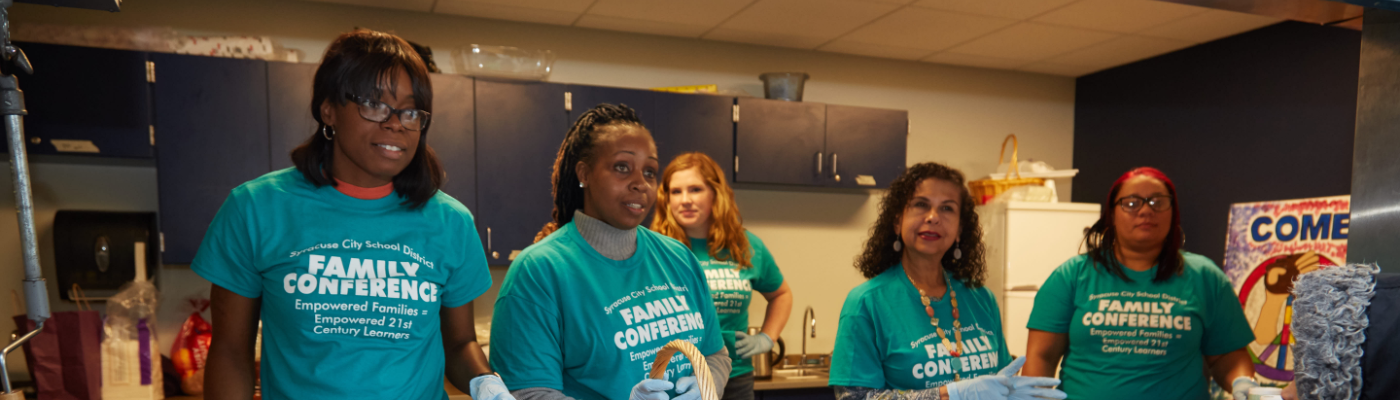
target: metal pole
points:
(12, 108)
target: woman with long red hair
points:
(1136, 317)
(696, 206)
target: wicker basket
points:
(697, 362)
(984, 190)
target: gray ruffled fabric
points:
(1329, 322)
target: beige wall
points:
(958, 116)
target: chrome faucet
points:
(805, 324)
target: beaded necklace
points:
(957, 324)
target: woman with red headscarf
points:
(1136, 317)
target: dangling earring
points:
(898, 243)
(957, 251)
(323, 132)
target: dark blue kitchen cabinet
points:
(211, 134)
(87, 101)
(290, 122)
(584, 97)
(694, 123)
(452, 135)
(519, 126)
(865, 147)
(779, 142)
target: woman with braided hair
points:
(582, 312)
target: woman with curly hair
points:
(925, 262)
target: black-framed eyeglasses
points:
(1132, 203)
(377, 111)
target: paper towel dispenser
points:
(101, 250)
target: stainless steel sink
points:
(804, 373)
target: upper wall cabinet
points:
(211, 136)
(866, 147)
(519, 126)
(452, 135)
(288, 110)
(694, 123)
(780, 142)
(87, 101)
(813, 144)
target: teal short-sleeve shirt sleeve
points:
(1227, 329)
(1054, 302)
(855, 361)
(473, 276)
(526, 317)
(769, 278)
(226, 256)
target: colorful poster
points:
(1269, 244)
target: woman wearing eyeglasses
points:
(360, 269)
(1136, 317)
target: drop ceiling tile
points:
(1032, 42)
(641, 26)
(707, 13)
(874, 50)
(490, 10)
(575, 6)
(1209, 25)
(974, 61)
(1015, 9)
(411, 5)
(1059, 69)
(1120, 51)
(1123, 16)
(798, 21)
(926, 29)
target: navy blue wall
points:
(1264, 115)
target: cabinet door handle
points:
(494, 255)
(834, 174)
(819, 163)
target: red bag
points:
(191, 346)
(65, 359)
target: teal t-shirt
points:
(1140, 340)
(885, 341)
(732, 289)
(350, 288)
(572, 320)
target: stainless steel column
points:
(1375, 171)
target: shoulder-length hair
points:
(880, 255)
(726, 237)
(1101, 239)
(357, 63)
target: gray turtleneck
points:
(620, 244)
(613, 243)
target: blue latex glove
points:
(489, 387)
(749, 346)
(651, 389)
(687, 388)
(1240, 387)
(1024, 387)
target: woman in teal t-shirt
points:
(697, 207)
(923, 327)
(1135, 317)
(583, 311)
(362, 271)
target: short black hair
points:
(880, 255)
(355, 64)
(578, 146)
